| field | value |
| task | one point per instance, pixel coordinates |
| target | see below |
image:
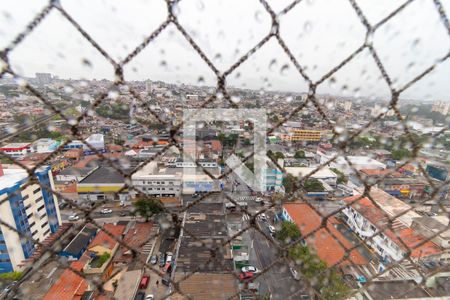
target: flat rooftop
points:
(205, 225)
(103, 175)
(195, 256)
(206, 286)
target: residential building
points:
(43, 78)
(159, 182)
(331, 248)
(17, 150)
(45, 145)
(78, 245)
(274, 176)
(438, 171)
(30, 208)
(95, 141)
(435, 228)
(391, 241)
(324, 174)
(304, 135)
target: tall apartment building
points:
(30, 209)
(441, 107)
(43, 78)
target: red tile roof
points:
(103, 239)
(330, 248)
(70, 285)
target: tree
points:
(289, 183)
(341, 178)
(299, 154)
(278, 155)
(147, 207)
(401, 153)
(313, 185)
(289, 231)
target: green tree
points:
(278, 155)
(289, 183)
(289, 231)
(313, 185)
(401, 153)
(299, 154)
(341, 178)
(11, 276)
(147, 207)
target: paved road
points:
(278, 278)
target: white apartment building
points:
(390, 242)
(31, 210)
(158, 182)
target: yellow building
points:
(305, 135)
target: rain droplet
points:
(332, 82)
(218, 57)
(113, 94)
(86, 62)
(284, 69)
(258, 16)
(272, 64)
(201, 80)
(163, 64)
(235, 99)
(307, 27)
(200, 5)
(415, 43)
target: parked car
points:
(295, 273)
(271, 229)
(169, 257)
(153, 259)
(251, 269)
(140, 296)
(263, 217)
(258, 200)
(74, 217)
(246, 275)
(149, 297)
(106, 211)
(123, 213)
(144, 282)
(162, 260)
(165, 281)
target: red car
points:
(246, 275)
(144, 282)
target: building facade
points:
(31, 209)
(17, 150)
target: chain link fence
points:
(174, 218)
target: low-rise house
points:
(76, 248)
(331, 245)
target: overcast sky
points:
(319, 33)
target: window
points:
(34, 232)
(41, 208)
(32, 224)
(25, 197)
(47, 232)
(45, 224)
(36, 190)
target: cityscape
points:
(165, 188)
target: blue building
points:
(30, 209)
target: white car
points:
(74, 218)
(149, 297)
(259, 200)
(295, 273)
(250, 269)
(106, 211)
(271, 229)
